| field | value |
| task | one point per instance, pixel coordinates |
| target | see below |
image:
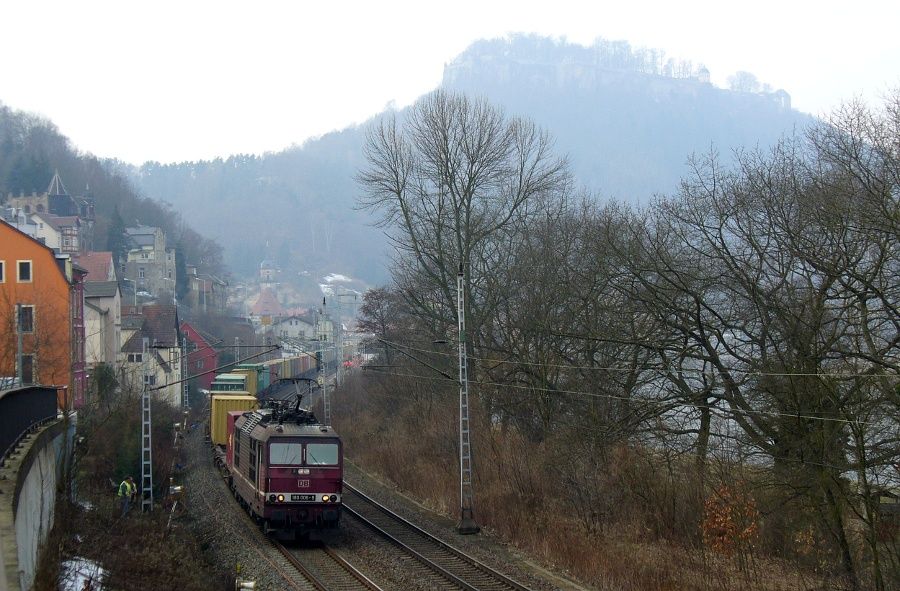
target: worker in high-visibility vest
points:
(127, 492)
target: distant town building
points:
(206, 293)
(267, 272)
(160, 366)
(295, 327)
(103, 321)
(149, 264)
(703, 75)
(201, 356)
(57, 201)
(267, 309)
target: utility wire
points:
(712, 408)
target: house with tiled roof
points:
(159, 364)
(267, 309)
(98, 264)
(61, 233)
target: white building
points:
(103, 322)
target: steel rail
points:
(498, 578)
(333, 559)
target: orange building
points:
(50, 290)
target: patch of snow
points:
(332, 277)
(79, 574)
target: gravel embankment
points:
(219, 521)
(232, 539)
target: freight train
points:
(255, 379)
(284, 467)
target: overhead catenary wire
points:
(802, 461)
(746, 372)
(215, 369)
(712, 408)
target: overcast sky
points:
(192, 79)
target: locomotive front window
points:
(286, 453)
(321, 454)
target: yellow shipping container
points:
(220, 406)
(251, 382)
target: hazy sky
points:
(192, 79)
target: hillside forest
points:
(32, 149)
(627, 119)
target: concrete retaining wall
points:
(28, 490)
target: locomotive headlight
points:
(325, 498)
(271, 498)
(280, 498)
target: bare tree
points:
(456, 182)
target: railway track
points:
(325, 569)
(459, 569)
(319, 568)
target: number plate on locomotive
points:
(303, 483)
(303, 497)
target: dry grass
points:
(609, 518)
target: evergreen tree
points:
(116, 241)
(181, 277)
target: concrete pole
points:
(339, 341)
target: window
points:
(2, 275)
(24, 271)
(135, 357)
(141, 273)
(149, 380)
(321, 454)
(27, 376)
(200, 364)
(26, 318)
(290, 454)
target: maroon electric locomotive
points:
(285, 468)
